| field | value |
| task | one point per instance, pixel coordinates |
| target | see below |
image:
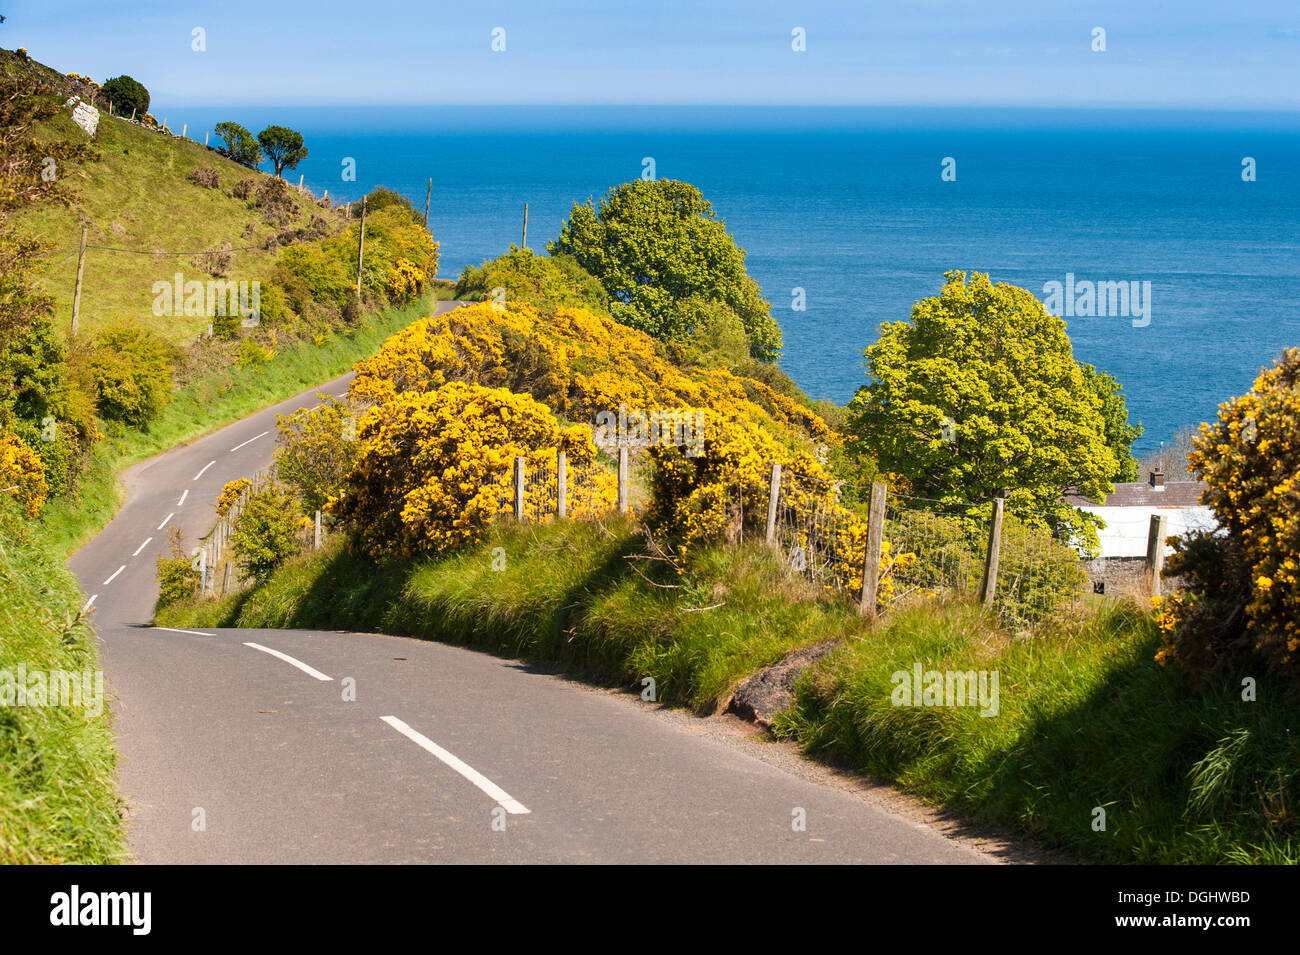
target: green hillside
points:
(137, 196)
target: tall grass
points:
(57, 797)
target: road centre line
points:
(142, 547)
(205, 467)
(115, 573)
(197, 633)
(89, 602)
(310, 671)
(249, 441)
(183, 497)
(502, 798)
(165, 520)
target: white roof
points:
(1125, 533)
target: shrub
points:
(22, 474)
(276, 204)
(545, 282)
(1243, 590)
(127, 96)
(178, 578)
(251, 353)
(240, 145)
(265, 531)
(430, 466)
(317, 448)
(242, 189)
(133, 375)
(205, 177)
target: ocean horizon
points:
(852, 206)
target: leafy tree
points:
(177, 577)
(240, 145)
(265, 531)
(653, 245)
(545, 282)
(1120, 435)
(978, 393)
(127, 95)
(133, 374)
(283, 146)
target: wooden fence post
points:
(316, 537)
(622, 480)
(871, 559)
(990, 585)
(427, 196)
(1156, 552)
(519, 487)
(773, 495)
(561, 485)
(225, 580)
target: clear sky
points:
(1234, 54)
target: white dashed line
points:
(249, 441)
(142, 547)
(114, 574)
(183, 497)
(503, 798)
(197, 633)
(89, 602)
(310, 671)
(205, 467)
(165, 520)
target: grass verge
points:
(57, 798)
(1086, 719)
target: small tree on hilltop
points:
(980, 393)
(283, 146)
(127, 95)
(240, 145)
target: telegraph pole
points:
(427, 196)
(81, 267)
(525, 242)
(361, 246)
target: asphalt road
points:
(287, 746)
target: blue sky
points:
(1233, 54)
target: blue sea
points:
(850, 206)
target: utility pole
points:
(81, 267)
(427, 196)
(361, 247)
(525, 242)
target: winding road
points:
(291, 746)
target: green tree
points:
(133, 374)
(127, 95)
(1120, 435)
(653, 245)
(317, 448)
(979, 392)
(240, 145)
(265, 531)
(283, 146)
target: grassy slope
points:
(57, 801)
(1182, 789)
(136, 196)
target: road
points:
(289, 746)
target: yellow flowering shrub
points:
(230, 494)
(22, 474)
(576, 361)
(405, 280)
(430, 467)
(1243, 587)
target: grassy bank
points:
(1085, 719)
(57, 798)
(568, 598)
(208, 403)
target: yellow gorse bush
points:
(429, 472)
(230, 495)
(22, 474)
